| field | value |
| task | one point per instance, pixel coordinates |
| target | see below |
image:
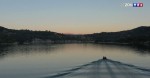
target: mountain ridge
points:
(137, 35)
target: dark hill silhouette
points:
(20, 36)
(28, 36)
(140, 35)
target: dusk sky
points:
(73, 16)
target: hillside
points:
(140, 35)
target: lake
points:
(40, 60)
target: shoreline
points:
(69, 41)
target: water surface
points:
(35, 61)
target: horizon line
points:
(73, 33)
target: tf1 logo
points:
(133, 5)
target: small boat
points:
(104, 68)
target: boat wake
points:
(104, 68)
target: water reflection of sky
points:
(35, 60)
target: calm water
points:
(35, 61)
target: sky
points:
(73, 16)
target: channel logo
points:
(137, 4)
(133, 4)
